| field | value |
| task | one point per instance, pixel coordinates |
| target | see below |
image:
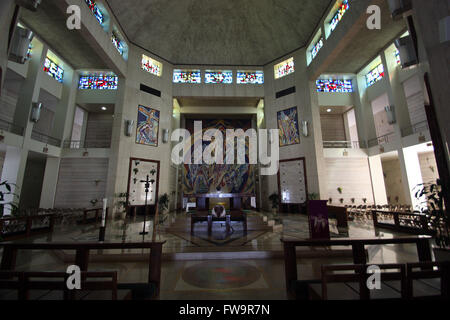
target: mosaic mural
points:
(288, 127)
(147, 126)
(236, 178)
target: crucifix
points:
(147, 187)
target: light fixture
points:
(104, 108)
(129, 127)
(329, 110)
(165, 137)
(36, 111)
(305, 128)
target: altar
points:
(235, 199)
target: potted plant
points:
(339, 189)
(432, 204)
(330, 200)
(274, 199)
(341, 200)
(364, 200)
(352, 200)
(163, 203)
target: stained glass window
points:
(339, 14)
(53, 70)
(376, 74)
(186, 76)
(98, 82)
(250, 77)
(95, 10)
(332, 85)
(397, 56)
(316, 48)
(224, 77)
(29, 51)
(117, 43)
(284, 68)
(152, 66)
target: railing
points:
(415, 128)
(402, 221)
(45, 139)
(11, 127)
(84, 144)
(381, 140)
(344, 144)
(23, 227)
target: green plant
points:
(152, 172)
(313, 196)
(6, 189)
(274, 199)
(339, 189)
(431, 200)
(163, 202)
(364, 200)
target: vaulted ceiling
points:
(219, 32)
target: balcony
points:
(381, 140)
(415, 128)
(45, 139)
(11, 127)
(344, 144)
(85, 144)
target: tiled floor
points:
(216, 279)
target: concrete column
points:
(49, 184)
(63, 123)
(414, 175)
(29, 92)
(378, 186)
(6, 14)
(13, 172)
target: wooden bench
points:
(12, 228)
(349, 282)
(428, 280)
(53, 286)
(298, 289)
(148, 290)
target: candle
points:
(105, 201)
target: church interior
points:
(224, 150)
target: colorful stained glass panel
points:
(101, 82)
(339, 14)
(95, 10)
(224, 77)
(53, 70)
(316, 48)
(250, 77)
(150, 65)
(375, 75)
(117, 43)
(147, 126)
(284, 68)
(330, 85)
(187, 76)
(288, 127)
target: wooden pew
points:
(420, 273)
(12, 228)
(349, 282)
(358, 249)
(53, 285)
(150, 289)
